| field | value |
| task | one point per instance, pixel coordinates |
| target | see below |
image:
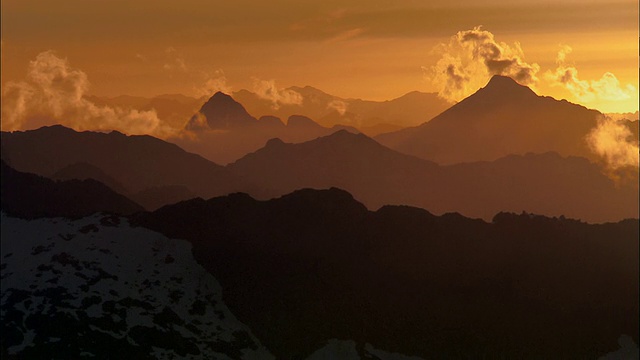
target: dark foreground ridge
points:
(31, 196)
(316, 264)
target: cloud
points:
(213, 84)
(613, 141)
(174, 60)
(346, 35)
(141, 57)
(469, 60)
(266, 89)
(607, 88)
(338, 105)
(53, 92)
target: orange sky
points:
(356, 48)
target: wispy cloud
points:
(338, 105)
(53, 92)
(174, 60)
(471, 57)
(606, 88)
(346, 35)
(214, 82)
(267, 89)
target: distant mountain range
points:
(315, 265)
(369, 117)
(500, 119)
(223, 131)
(135, 164)
(155, 173)
(378, 176)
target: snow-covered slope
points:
(99, 288)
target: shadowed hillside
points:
(540, 183)
(136, 162)
(318, 263)
(31, 196)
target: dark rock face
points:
(319, 263)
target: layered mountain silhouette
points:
(370, 117)
(500, 119)
(31, 196)
(137, 163)
(83, 170)
(315, 265)
(220, 112)
(155, 173)
(150, 198)
(223, 131)
(541, 183)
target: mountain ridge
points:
(323, 255)
(499, 119)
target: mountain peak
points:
(275, 142)
(505, 86)
(221, 111)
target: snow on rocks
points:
(97, 287)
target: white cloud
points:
(469, 60)
(214, 82)
(338, 105)
(53, 92)
(613, 141)
(267, 89)
(606, 88)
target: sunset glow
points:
(352, 49)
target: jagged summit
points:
(221, 111)
(274, 142)
(504, 86)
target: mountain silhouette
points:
(240, 133)
(500, 119)
(377, 176)
(316, 264)
(31, 196)
(410, 109)
(83, 170)
(135, 162)
(220, 112)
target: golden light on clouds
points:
(353, 49)
(53, 92)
